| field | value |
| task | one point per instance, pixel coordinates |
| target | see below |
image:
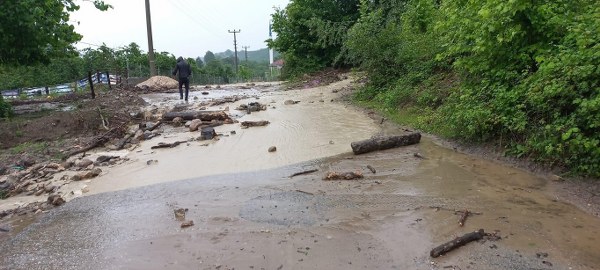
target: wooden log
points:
(458, 242)
(124, 141)
(255, 123)
(303, 172)
(202, 115)
(95, 143)
(155, 125)
(343, 176)
(382, 143)
(167, 145)
(463, 217)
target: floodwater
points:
(248, 214)
(301, 132)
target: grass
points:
(29, 147)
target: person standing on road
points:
(184, 70)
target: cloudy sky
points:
(183, 27)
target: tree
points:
(310, 33)
(199, 62)
(36, 31)
(209, 57)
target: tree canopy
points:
(35, 31)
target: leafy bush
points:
(5, 108)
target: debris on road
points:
(371, 169)
(188, 223)
(255, 123)
(179, 214)
(56, 200)
(384, 142)
(291, 102)
(304, 172)
(343, 176)
(158, 83)
(463, 217)
(167, 145)
(191, 115)
(458, 242)
(272, 149)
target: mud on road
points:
(256, 217)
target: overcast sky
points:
(185, 28)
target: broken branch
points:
(303, 172)
(458, 242)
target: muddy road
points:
(249, 214)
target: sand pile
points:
(158, 83)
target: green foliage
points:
(5, 108)
(523, 74)
(310, 33)
(37, 31)
(29, 147)
(531, 77)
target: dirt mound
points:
(158, 83)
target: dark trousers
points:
(183, 81)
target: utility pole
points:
(235, 46)
(150, 42)
(246, 52)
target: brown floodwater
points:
(249, 214)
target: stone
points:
(87, 175)
(179, 214)
(139, 135)
(188, 123)
(177, 121)
(188, 223)
(289, 102)
(228, 121)
(56, 200)
(208, 133)
(84, 163)
(39, 192)
(50, 188)
(196, 123)
(272, 149)
(67, 164)
(148, 135)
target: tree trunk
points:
(382, 143)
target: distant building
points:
(278, 64)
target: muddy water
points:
(512, 202)
(305, 131)
(261, 219)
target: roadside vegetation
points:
(521, 75)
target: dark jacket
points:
(183, 68)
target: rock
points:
(177, 121)
(233, 132)
(148, 135)
(139, 135)
(228, 121)
(56, 200)
(195, 124)
(67, 164)
(151, 162)
(205, 93)
(272, 149)
(188, 123)
(87, 175)
(50, 188)
(208, 133)
(39, 192)
(102, 159)
(188, 223)
(84, 163)
(179, 214)
(290, 102)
